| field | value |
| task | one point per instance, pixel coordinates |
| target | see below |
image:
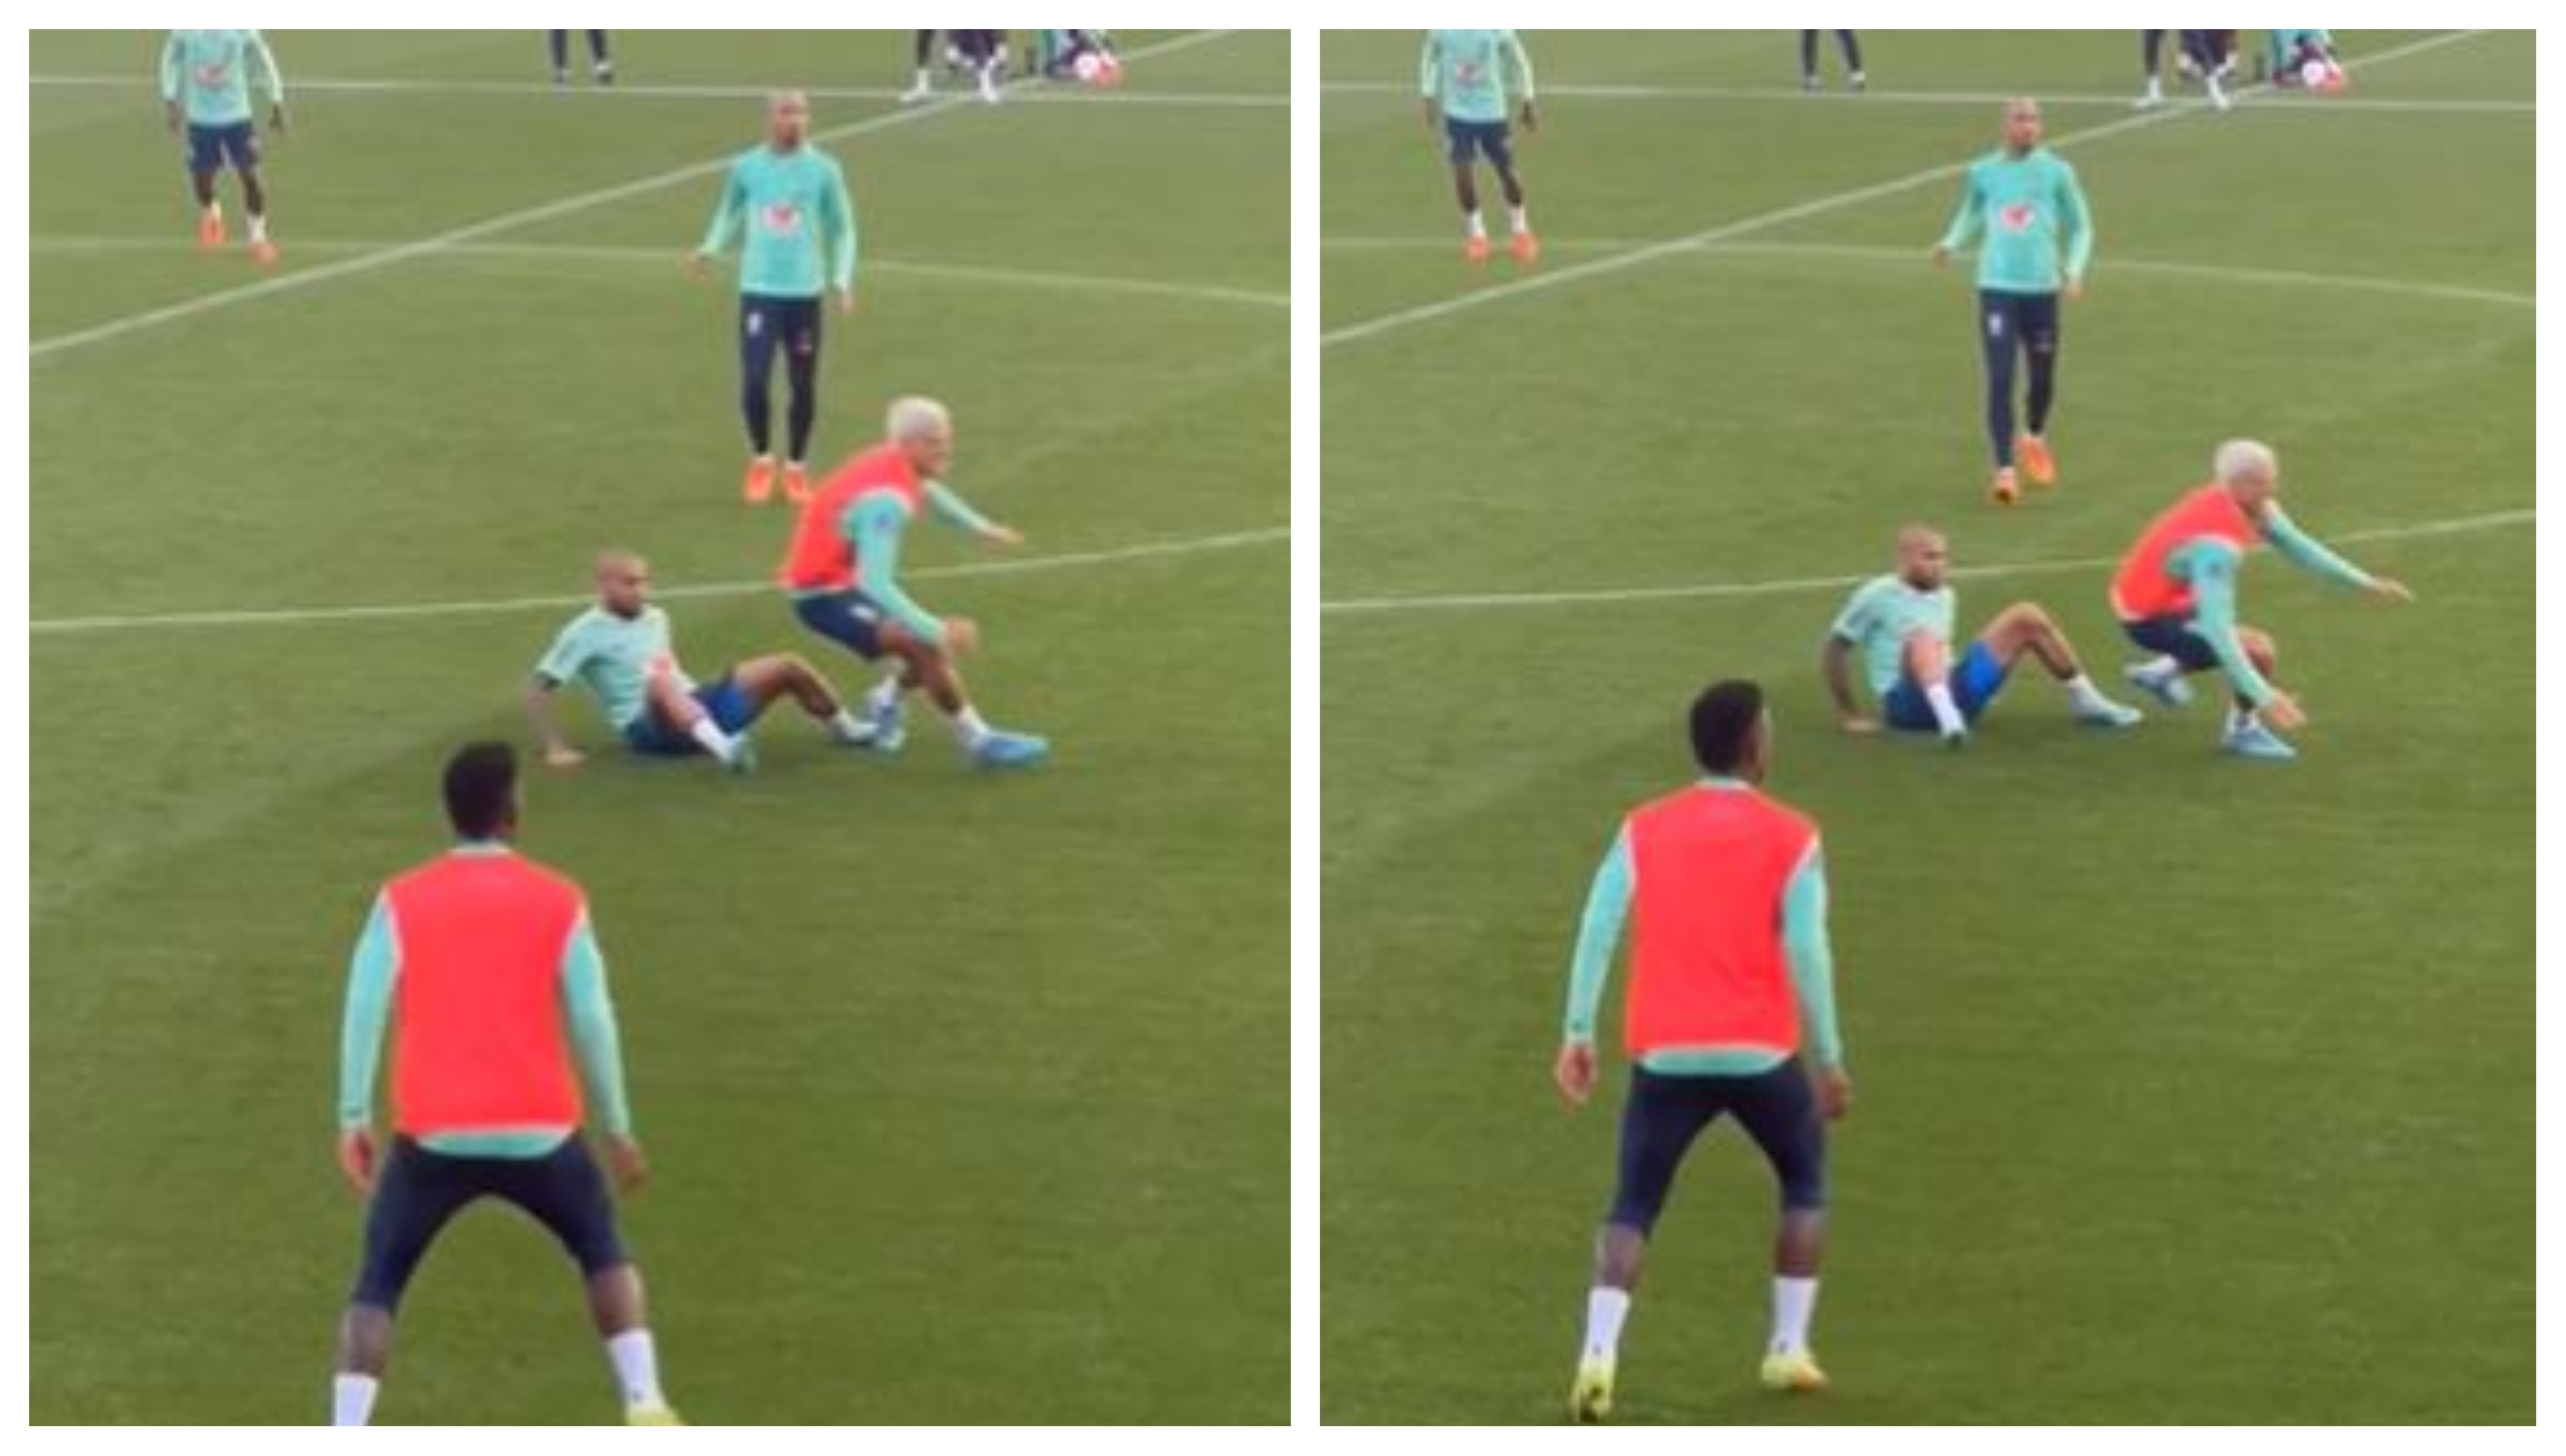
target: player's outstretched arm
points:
(372, 972)
(949, 506)
(1598, 936)
(2309, 554)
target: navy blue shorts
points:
(850, 618)
(420, 1191)
(1975, 680)
(1664, 1114)
(208, 147)
(722, 700)
(1486, 139)
(2025, 320)
(2173, 636)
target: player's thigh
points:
(1779, 1110)
(761, 333)
(2038, 321)
(849, 618)
(1661, 1118)
(415, 1195)
(565, 1191)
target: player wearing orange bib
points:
(2175, 594)
(843, 574)
(1731, 1012)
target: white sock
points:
(1515, 221)
(847, 728)
(1478, 224)
(2160, 668)
(1794, 1301)
(258, 227)
(717, 743)
(2240, 719)
(636, 1370)
(970, 728)
(1606, 1309)
(885, 694)
(2155, 89)
(1947, 713)
(2082, 692)
(351, 1400)
(925, 81)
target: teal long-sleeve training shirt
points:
(2028, 208)
(874, 523)
(1804, 944)
(794, 219)
(374, 972)
(2211, 567)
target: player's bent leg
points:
(686, 718)
(565, 1191)
(1660, 1118)
(1779, 1110)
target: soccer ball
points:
(2321, 75)
(1098, 69)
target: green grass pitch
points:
(966, 1094)
(2189, 1090)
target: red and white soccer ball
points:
(2321, 75)
(1098, 69)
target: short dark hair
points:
(1723, 724)
(481, 788)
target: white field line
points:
(2275, 102)
(674, 91)
(407, 611)
(1401, 319)
(1788, 586)
(503, 222)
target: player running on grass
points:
(619, 650)
(1901, 624)
(787, 199)
(843, 574)
(2028, 204)
(1731, 981)
(486, 970)
(1462, 78)
(2175, 594)
(205, 77)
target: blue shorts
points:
(849, 618)
(421, 1189)
(767, 323)
(1975, 680)
(1485, 138)
(2007, 321)
(2173, 636)
(721, 700)
(1664, 1114)
(208, 147)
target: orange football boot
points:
(760, 481)
(2038, 465)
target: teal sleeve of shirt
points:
(728, 214)
(874, 523)
(2211, 565)
(1428, 72)
(842, 221)
(262, 65)
(371, 973)
(2078, 220)
(2307, 553)
(1812, 959)
(592, 1037)
(1522, 60)
(1966, 220)
(952, 510)
(171, 69)
(1599, 935)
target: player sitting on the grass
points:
(2175, 594)
(1902, 624)
(619, 650)
(843, 574)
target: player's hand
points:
(1003, 535)
(356, 1156)
(846, 301)
(699, 263)
(624, 1160)
(2284, 710)
(1835, 1092)
(1859, 723)
(276, 119)
(1574, 1071)
(2390, 588)
(563, 756)
(961, 634)
(171, 109)
(1531, 122)
(1941, 255)
(1430, 113)
(2075, 288)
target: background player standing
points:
(205, 84)
(1462, 78)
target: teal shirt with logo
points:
(2030, 210)
(209, 71)
(795, 221)
(612, 657)
(1881, 616)
(1465, 70)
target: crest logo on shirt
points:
(2017, 216)
(781, 217)
(1467, 73)
(213, 75)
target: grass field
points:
(966, 1094)
(2189, 1090)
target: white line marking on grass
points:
(1427, 312)
(679, 91)
(2411, 287)
(2274, 100)
(1787, 586)
(668, 260)
(504, 222)
(400, 610)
